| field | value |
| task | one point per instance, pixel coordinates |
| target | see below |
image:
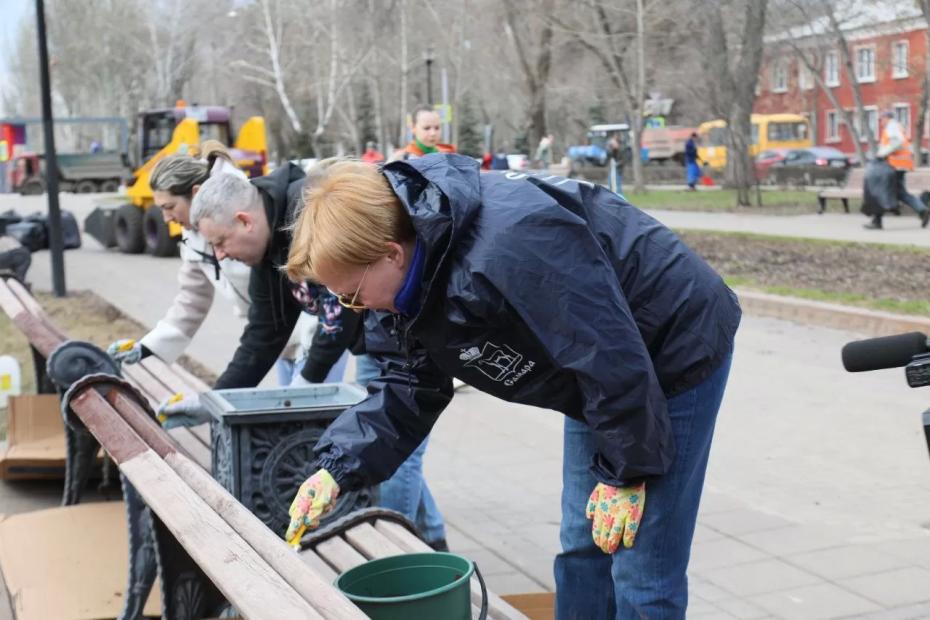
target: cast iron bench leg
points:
(142, 565)
(846, 204)
(822, 202)
(186, 592)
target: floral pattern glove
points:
(315, 499)
(616, 512)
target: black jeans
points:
(16, 260)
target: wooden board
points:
(372, 543)
(249, 583)
(339, 554)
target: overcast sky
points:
(11, 12)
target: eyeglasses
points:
(350, 303)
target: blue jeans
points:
(650, 580)
(406, 491)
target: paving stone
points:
(513, 583)
(721, 552)
(743, 521)
(741, 608)
(759, 577)
(824, 600)
(849, 561)
(794, 539)
(895, 588)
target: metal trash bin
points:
(263, 440)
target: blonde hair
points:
(350, 215)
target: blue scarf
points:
(407, 300)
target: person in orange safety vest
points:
(895, 148)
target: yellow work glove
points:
(315, 498)
(616, 512)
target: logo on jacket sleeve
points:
(498, 363)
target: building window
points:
(870, 121)
(780, 76)
(831, 69)
(805, 78)
(899, 52)
(902, 113)
(865, 64)
(832, 123)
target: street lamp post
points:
(429, 56)
(56, 244)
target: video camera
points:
(911, 350)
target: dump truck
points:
(81, 173)
(134, 226)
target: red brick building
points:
(888, 54)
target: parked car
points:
(815, 165)
(765, 159)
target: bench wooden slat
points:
(339, 554)
(173, 376)
(30, 303)
(202, 433)
(241, 575)
(192, 446)
(311, 559)
(498, 608)
(153, 389)
(371, 543)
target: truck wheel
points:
(85, 187)
(158, 241)
(128, 229)
(110, 186)
(32, 187)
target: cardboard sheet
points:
(536, 606)
(68, 563)
(36, 439)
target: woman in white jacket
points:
(174, 182)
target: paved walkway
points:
(904, 230)
(818, 492)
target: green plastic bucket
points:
(414, 585)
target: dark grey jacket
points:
(544, 291)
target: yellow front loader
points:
(132, 226)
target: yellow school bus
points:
(769, 131)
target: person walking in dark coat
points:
(538, 290)
(692, 169)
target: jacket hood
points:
(442, 194)
(277, 186)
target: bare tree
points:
(535, 58)
(271, 75)
(809, 47)
(733, 86)
(621, 52)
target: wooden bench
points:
(917, 181)
(198, 524)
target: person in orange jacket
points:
(895, 148)
(427, 129)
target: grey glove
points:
(125, 351)
(181, 410)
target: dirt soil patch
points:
(81, 315)
(875, 275)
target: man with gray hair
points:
(250, 221)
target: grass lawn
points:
(775, 201)
(919, 307)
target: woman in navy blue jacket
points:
(538, 290)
